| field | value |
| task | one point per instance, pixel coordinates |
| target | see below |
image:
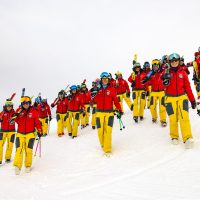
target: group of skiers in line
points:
(167, 83)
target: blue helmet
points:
(73, 87)
(174, 56)
(105, 75)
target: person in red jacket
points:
(44, 113)
(183, 66)
(27, 121)
(86, 98)
(7, 130)
(93, 91)
(139, 91)
(75, 106)
(157, 93)
(177, 92)
(123, 91)
(61, 112)
(105, 98)
(196, 73)
(147, 69)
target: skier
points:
(62, 105)
(178, 91)
(105, 98)
(183, 66)
(7, 130)
(93, 91)
(112, 81)
(123, 91)
(27, 120)
(73, 114)
(157, 93)
(196, 73)
(147, 69)
(139, 91)
(44, 113)
(86, 98)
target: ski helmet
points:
(83, 85)
(105, 75)
(136, 65)
(9, 103)
(155, 62)
(164, 59)
(174, 56)
(25, 99)
(61, 93)
(73, 87)
(196, 54)
(146, 65)
(182, 58)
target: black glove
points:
(198, 112)
(11, 121)
(145, 79)
(52, 105)
(84, 113)
(128, 94)
(39, 134)
(198, 86)
(166, 82)
(133, 84)
(167, 76)
(119, 114)
(147, 94)
(50, 118)
(193, 104)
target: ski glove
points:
(193, 104)
(50, 118)
(145, 79)
(52, 105)
(119, 114)
(39, 133)
(128, 94)
(198, 112)
(133, 84)
(147, 94)
(167, 76)
(84, 113)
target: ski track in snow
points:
(144, 165)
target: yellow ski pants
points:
(85, 119)
(61, 122)
(93, 122)
(139, 101)
(104, 122)
(155, 98)
(177, 110)
(44, 122)
(127, 99)
(73, 122)
(24, 147)
(9, 137)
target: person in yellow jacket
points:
(7, 132)
(28, 122)
(105, 98)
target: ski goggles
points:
(146, 65)
(9, 104)
(25, 103)
(174, 57)
(105, 75)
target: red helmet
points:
(196, 54)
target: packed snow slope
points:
(144, 166)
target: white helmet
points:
(44, 98)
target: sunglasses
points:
(25, 103)
(155, 64)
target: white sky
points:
(47, 44)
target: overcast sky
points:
(47, 44)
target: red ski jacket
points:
(112, 82)
(62, 105)
(122, 86)
(105, 99)
(156, 82)
(5, 125)
(138, 81)
(43, 110)
(93, 92)
(27, 121)
(179, 85)
(86, 97)
(76, 103)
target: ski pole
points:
(40, 148)
(122, 124)
(37, 147)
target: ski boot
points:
(28, 170)
(189, 143)
(17, 171)
(154, 121)
(74, 137)
(163, 124)
(93, 127)
(141, 118)
(8, 160)
(135, 119)
(70, 134)
(174, 141)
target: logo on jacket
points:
(180, 76)
(30, 115)
(108, 92)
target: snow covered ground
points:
(144, 166)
